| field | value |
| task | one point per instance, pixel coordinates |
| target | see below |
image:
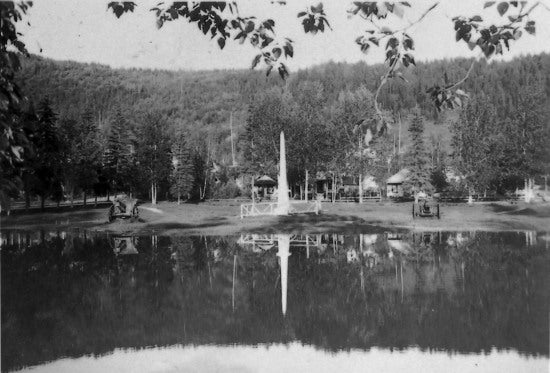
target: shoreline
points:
(223, 218)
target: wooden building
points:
(394, 185)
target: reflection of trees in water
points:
(71, 295)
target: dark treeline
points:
(120, 129)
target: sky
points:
(85, 31)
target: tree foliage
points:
(46, 165)
(119, 156)
(154, 151)
(417, 158)
(15, 145)
(201, 101)
(182, 168)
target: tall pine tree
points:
(47, 170)
(417, 159)
(119, 157)
(182, 177)
(154, 152)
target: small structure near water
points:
(265, 187)
(394, 185)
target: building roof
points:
(265, 181)
(399, 177)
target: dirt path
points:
(223, 218)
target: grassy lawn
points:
(222, 218)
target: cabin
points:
(347, 187)
(394, 185)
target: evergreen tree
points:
(417, 162)
(154, 152)
(89, 153)
(68, 130)
(47, 168)
(182, 170)
(119, 157)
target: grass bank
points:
(223, 218)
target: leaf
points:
(249, 26)
(221, 42)
(488, 4)
(318, 8)
(323, 19)
(256, 60)
(267, 40)
(476, 19)
(502, 7)
(398, 10)
(530, 27)
(269, 24)
(392, 43)
(301, 14)
(289, 50)
(382, 10)
(283, 72)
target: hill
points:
(201, 102)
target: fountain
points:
(283, 202)
(283, 205)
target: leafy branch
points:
(399, 45)
(489, 39)
(222, 21)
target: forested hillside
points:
(166, 133)
(202, 101)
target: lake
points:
(80, 301)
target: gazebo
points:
(265, 186)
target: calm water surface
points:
(392, 302)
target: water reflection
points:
(74, 294)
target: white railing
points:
(302, 207)
(269, 208)
(271, 239)
(255, 209)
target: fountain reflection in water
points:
(283, 254)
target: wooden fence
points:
(270, 208)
